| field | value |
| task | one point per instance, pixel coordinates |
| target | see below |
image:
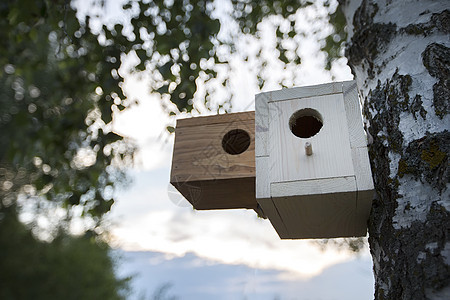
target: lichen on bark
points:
(388, 100)
(436, 59)
(369, 39)
(439, 22)
(417, 260)
(417, 108)
(427, 159)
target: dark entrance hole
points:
(305, 123)
(236, 141)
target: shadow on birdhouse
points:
(313, 178)
(213, 163)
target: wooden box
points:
(213, 164)
(313, 177)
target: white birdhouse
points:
(313, 177)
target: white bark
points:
(399, 54)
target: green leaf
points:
(165, 69)
(164, 89)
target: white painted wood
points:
(271, 212)
(313, 187)
(261, 123)
(307, 91)
(262, 178)
(353, 115)
(361, 165)
(324, 195)
(332, 156)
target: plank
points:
(318, 216)
(353, 114)
(216, 119)
(313, 187)
(363, 172)
(262, 177)
(306, 91)
(363, 207)
(219, 194)
(261, 123)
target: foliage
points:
(58, 88)
(355, 245)
(184, 44)
(162, 293)
(335, 42)
(68, 268)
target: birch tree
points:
(399, 53)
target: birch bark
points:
(399, 53)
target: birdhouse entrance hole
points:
(305, 123)
(235, 141)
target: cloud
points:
(150, 221)
(193, 277)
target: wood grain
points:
(216, 119)
(262, 177)
(361, 164)
(261, 123)
(313, 186)
(363, 207)
(332, 156)
(306, 91)
(198, 152)
(204, 173)
(318, 216)
(353, 113)
(219, 194)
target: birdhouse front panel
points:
(329, 139)
(213, 163)
(313, 177)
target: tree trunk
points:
(399, 53)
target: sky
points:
(191, 277)
(227, 254)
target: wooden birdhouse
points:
(313, 177)
(213, 164)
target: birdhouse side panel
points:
(262, 177)
(262, 123)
